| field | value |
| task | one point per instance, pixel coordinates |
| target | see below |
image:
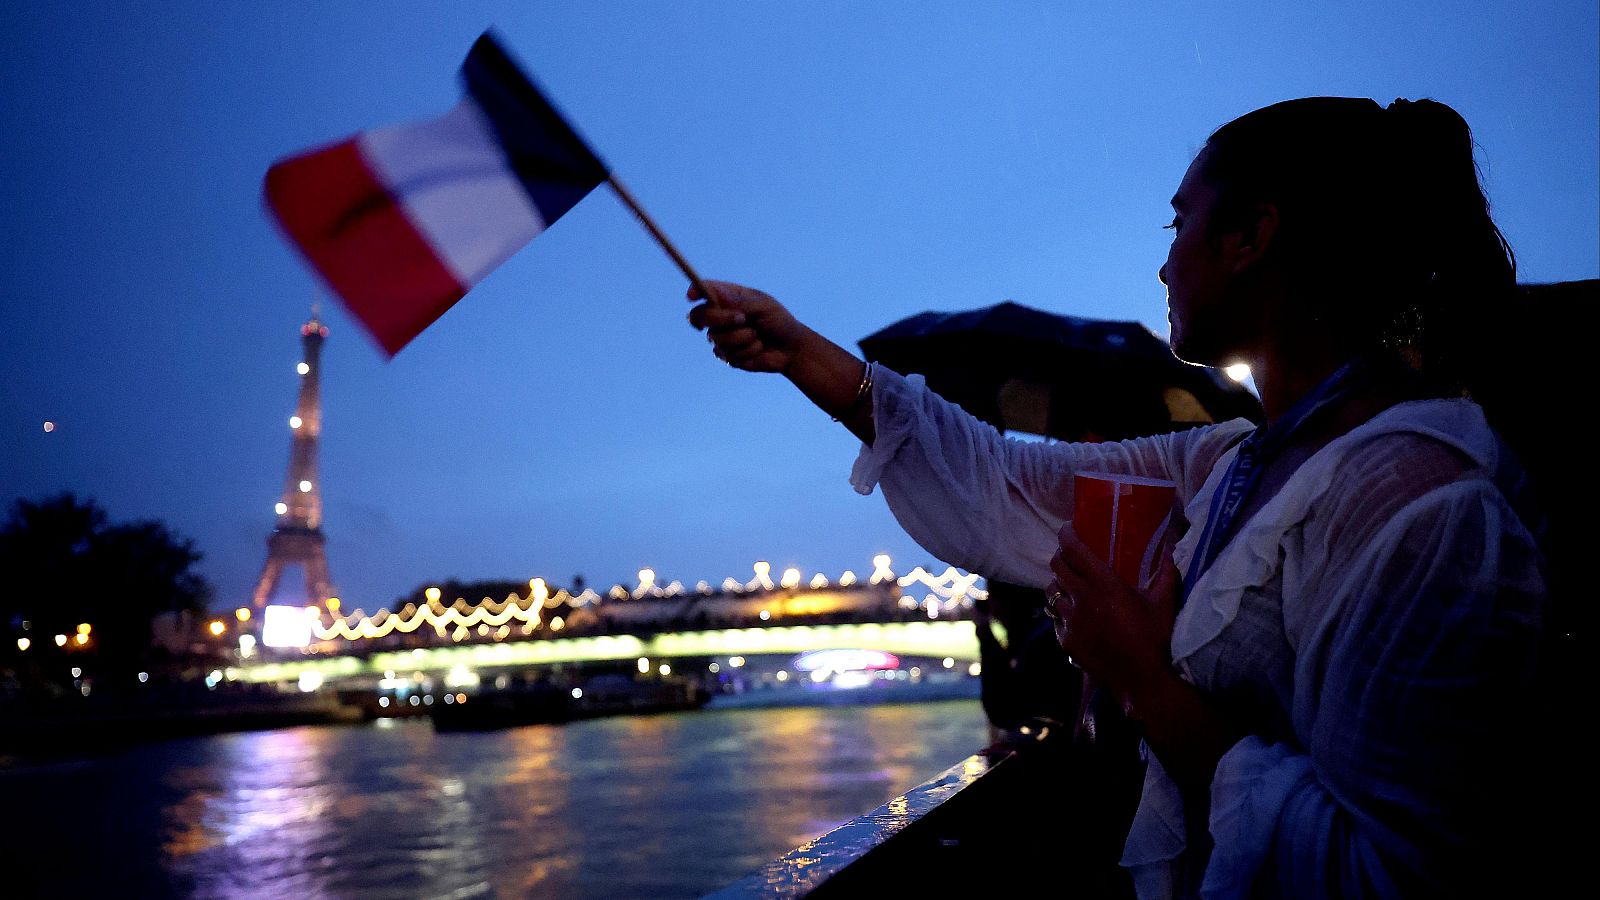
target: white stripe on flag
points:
(453, 182)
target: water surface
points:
(656, 806)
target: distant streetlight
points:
(242, 614)
(217, 628)
(61, 640)
(80, 639)
(23, 643)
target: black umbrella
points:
(1067, 377)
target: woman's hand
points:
(1117, 634)
(747, 328)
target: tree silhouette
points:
(64, 563)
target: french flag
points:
(402, 221)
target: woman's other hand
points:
(747, 328)
(1117, 634)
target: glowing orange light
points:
(81, 639)
(217, 628)
(242, 614)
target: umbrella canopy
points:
(1067, 377)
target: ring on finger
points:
(1052, 596)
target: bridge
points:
(915, 615)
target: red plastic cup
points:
(1123, 519)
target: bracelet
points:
(863, 389)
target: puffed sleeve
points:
(1422, 648)
(989, 504)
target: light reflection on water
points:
(658, 806)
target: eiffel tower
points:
(297, 539)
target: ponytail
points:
(1462, 273)
(1385, 231)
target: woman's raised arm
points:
(750, 330)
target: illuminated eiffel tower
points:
(297, 539)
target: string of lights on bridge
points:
(492, 619)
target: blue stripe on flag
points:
(552, 162)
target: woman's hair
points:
(1383, 227)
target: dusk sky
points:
(861, 161)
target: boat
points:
(558, 703)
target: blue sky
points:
(862, 161)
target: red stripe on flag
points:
(353, 231)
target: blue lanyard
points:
(1244, 475)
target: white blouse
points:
(1370, 624)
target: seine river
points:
(655, 806)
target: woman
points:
(1322, 672)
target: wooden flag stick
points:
(662, 239)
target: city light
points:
(80, 639)
(280, 507)
(310, 681)
(577, 693)
(791, 577)
(847, 579)
(242, 614)
(949, 663)
(736, 661)
(766, 615)
(23, 643)
(305, 487)
(842, 660)
(77, 672)
(459, 676)
(762, 569)
(714, 668)
(302, 369)
(49, 427)
(383, 702)
(665, 669)
(975, 669)
(285, 626)
(332, 604)
(557, 623)
(61, 640)
(432, 594)
(295, 422)
(144, 677)
(644, 665)
(880, 569)
(782, 675)
(1237, 371)
(819, 581)
(216, 628)
(84, 628)
(247, 645)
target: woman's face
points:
(1208, 327)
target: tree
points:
(63, 564)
